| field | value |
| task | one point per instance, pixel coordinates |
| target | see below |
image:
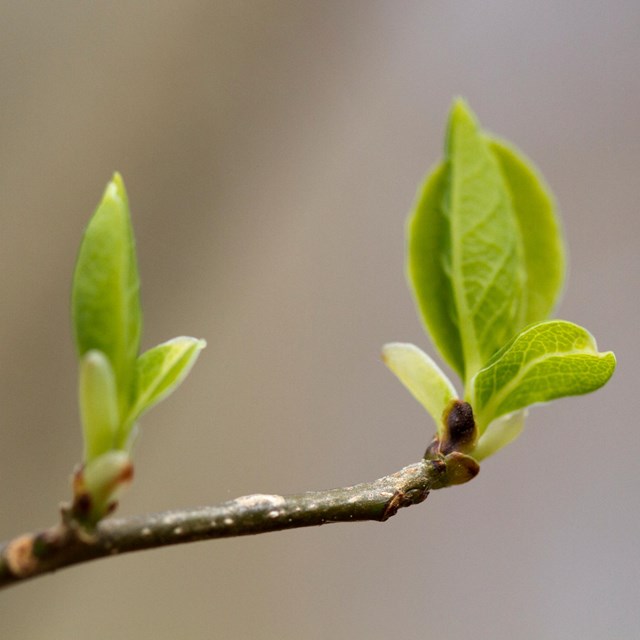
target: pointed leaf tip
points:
(460, 110)
(115, 190)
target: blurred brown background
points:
(271, 151)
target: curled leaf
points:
(98, 404)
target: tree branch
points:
(68, 543)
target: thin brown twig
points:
(67, 543)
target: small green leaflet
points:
(547, 360)
(105, 297)
(160, 370)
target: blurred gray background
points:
(272, 151)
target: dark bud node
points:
(460, 427)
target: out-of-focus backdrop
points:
(272, 151)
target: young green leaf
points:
(160, 370)
(465, 250)
(543, 248)
(98, 404)
(422, 377)
(105, 296)
(546, 361)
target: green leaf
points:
(160, 370)
(105, 297)
(465, 250)
(422, 377)
(547, 360)
(98, 404)
(542, 243)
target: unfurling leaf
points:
(105, 296)
(547, 360)
(422, 377)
